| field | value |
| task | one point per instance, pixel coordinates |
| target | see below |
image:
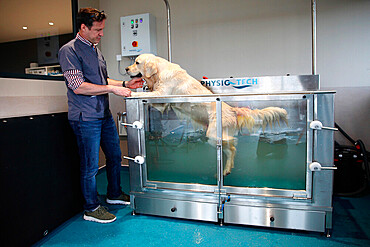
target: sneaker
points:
(100, 215)
(121, 199)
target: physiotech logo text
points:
(215, 83)
(237, 83)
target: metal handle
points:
(138, 159)
(317, 125)
(121, 117)
(136, 125)
(121, 114)
(316, 166)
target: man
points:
(85, 72)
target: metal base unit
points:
(176, 208)
(282, 174)
(275, 217)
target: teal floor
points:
(351, 227)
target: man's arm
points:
(87, 88)
(133, 83)
(79, 86)
(113, 86)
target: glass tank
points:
(273, 156)
(177, 150)
(270, 155)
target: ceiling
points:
(36, 15)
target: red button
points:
(134, 43)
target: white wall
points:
(221, 38)
(343, 38)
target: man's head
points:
(91, 23)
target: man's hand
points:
(121, 91)
(136, 82)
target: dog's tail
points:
(252, 119)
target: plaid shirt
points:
(75, 77)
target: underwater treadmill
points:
(282, 175)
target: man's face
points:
(93, 34)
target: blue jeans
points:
(90, 136)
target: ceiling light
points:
(25, 27)
(51, 23)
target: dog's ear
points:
(150, 68)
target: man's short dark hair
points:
(88, 15)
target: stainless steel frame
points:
(307, 209)
(313, 22)
(168, 11)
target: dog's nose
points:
(126, 69)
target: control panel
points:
(138, 35)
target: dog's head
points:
(145, 66)
(154, 70)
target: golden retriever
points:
(165, 78)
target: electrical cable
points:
(360, 146)
(344, 133)
(132, 60)
(119, 69)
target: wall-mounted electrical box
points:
(138, 35)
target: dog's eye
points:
(137, 62)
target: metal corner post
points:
(168, 30)
(313, 20)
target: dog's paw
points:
(226, 172)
